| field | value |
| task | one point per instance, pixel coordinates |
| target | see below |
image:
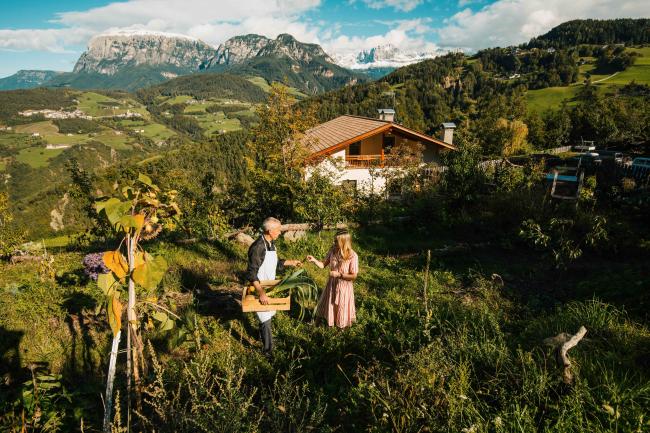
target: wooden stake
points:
(426, 283)
(109, 383)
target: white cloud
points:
(345, 48)
(511, 22)
(400, 5)
(209, 20)
(54, 40)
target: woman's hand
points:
(294, 263)
(335, 274)
(315, 261)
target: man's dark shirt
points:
(256, 254)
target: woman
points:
(336, 304)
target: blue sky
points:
(52, 34)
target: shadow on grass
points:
(10, 365)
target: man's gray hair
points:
(270, 223)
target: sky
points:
(46, 34)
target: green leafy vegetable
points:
(301, 286)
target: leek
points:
(301, 286)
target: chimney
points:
(448, 132)
(387, 114)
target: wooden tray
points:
(250, 303)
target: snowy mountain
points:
(383, 56)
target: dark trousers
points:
(266, 334)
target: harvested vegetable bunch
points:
(300, 285)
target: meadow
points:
(466, 354)
(551, 97)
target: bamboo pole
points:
(108, 400)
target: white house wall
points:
(335, 164)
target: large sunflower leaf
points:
(150, 273)
(115, 261)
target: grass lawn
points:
(157, 132)
(42, 128)
(50, 133)
(13, 141)
(552, 97)
(117, 142)
(638, 72)
(37, 156)
(129, 123)
(196, 108)
(542, 99)
(215, 122)
(57, 242)
(97, 105)
(180, 99)
(264, 85)
(260, 82)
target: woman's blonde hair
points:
(344, 244)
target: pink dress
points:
(336, 304)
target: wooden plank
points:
(250, 303)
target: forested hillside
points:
(206, 86)
(626, 31)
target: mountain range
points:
(27, 79)
(136, 59)
(304, 66)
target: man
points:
(263, 263)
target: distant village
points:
(76, 114)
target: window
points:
(388, 142)
(355, 149)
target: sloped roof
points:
(346, 129)
(340, 130)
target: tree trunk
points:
(108, 399)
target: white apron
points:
(267, 272)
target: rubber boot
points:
(267, 337)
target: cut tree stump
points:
(564, 342)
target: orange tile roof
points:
(346, 129)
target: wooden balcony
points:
(364, 161)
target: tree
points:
(513, 134)
(278, 141)
(141, 212)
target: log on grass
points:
(564, 342)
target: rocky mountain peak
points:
(239, 49)
(107, 53)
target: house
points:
(360, 147)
